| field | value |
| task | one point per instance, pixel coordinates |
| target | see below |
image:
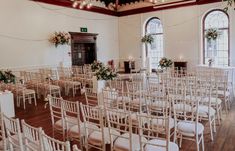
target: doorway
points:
(83, 48)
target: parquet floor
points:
(224, 138)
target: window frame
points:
(204, 29)
(146, 27)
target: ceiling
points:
(128, 7)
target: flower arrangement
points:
(96, 65)
(102, 72)
(7, 76)
(211, 34)
(165, 63)
(230, 3)
(148, 39)
(60, 38)
(210, 61)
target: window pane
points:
(155, 50)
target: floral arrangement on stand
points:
(211, 34)
(102, 72)
(60, 38)
(230, 3)
(165, 63)
(96, 65)
(147, 39)
(7, 76)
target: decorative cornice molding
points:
(136, 9)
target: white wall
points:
(182, 32)
(31, 20)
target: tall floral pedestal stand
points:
(98, 86)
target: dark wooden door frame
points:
(83, 38)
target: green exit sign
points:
(83, 29)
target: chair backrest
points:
(116, 84)
(93, 116)
(110, 98)
(150, 126)
(2, 132)
(71, 111)
(31, 136)
(14, 134)
(55, 105)
(91, 97)
(119, 121)
(134, 87)
(51, 144)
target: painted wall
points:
(182, 33)
(34, 22)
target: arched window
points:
(155, 50)
(217, 50)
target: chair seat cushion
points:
(161, 122)
(187, 128)
(122, 143)
(74, 131)
(214, 100)
(95, 137)
(156, 145)
(70, 122)
(183, 107)
(159, 104)
(222, 93)
(203, 111)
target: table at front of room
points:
(7, 104)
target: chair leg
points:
(35, 101)
(203, 147)
(214, 124)
(211, 129)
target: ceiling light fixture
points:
(82, 3)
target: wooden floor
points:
(224, 137)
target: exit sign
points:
(83, 29)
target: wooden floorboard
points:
(224, 138)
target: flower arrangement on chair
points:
(165, 63)
(211, 34)
(60, 38)
(102, 72)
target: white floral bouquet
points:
(96, 65)
(165, 63)
(211, 34)
(102, 72)
(60, 38)
(147, 39)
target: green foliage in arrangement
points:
(165, 63)
(102, 72)
(7, 76)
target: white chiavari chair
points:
(116, 84)
(74, 126)
(3, 142)
(125, 139)
(56, 113)
(188, 126)
(151, 131)
(205, 110)
(14, 134)
(23, 94)
(91, 97)
(31, 137)
(111, 99)
(96, 137)
(52, 144)
(134, 87)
